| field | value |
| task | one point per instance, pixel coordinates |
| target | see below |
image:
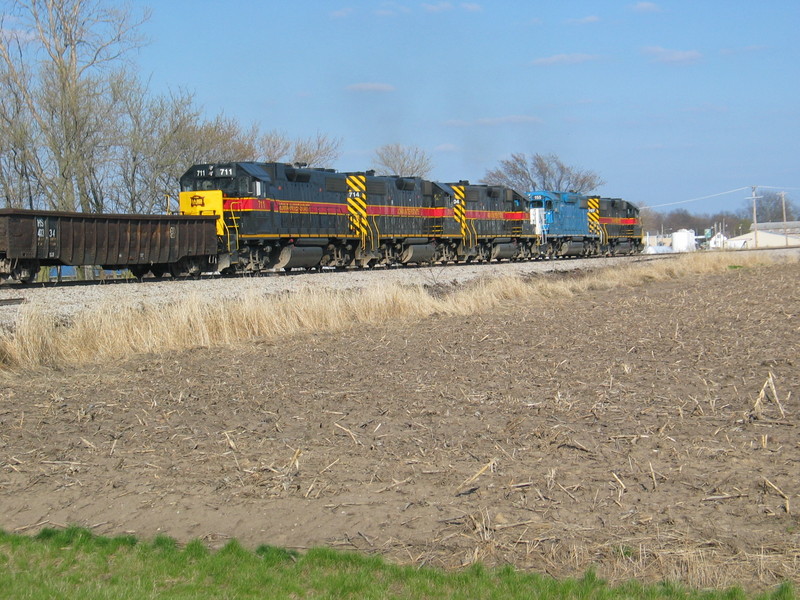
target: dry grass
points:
(121, 331)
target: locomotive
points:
(274, 216)
(251, 217)
(577, 225)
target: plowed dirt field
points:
(623, 430)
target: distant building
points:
(766, 239)
(790, 228)
(717, 242)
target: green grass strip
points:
(74, 563)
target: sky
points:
(674, 103)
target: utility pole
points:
(755, 218)
(783, 204)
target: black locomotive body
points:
(273, 216)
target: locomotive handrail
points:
(473, 233)
(375, 234)
(234, 221)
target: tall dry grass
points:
(114, 331)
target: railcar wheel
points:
(25, 271)
(158, 271)
(138, 271)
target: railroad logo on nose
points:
(198, 200)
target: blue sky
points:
(668, 101)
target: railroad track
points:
(11, 301)
(321, 272)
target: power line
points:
(766, 187)
(772, 187)
(701, 198)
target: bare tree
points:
(404, 161)
(155, 133)
(317, 151)
(273, 146)
(769, 208)
(649, 218)
(55, 63)
(543, 172)
(19, 186)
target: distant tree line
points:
(769, 209)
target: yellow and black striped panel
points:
(357, 205)
(460, 209)
(593, 215)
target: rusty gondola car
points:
(31, 239)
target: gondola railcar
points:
(32, 239)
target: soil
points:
(623, 430)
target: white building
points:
(762, 239)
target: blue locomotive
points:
(571, 224)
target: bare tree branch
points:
(403, 161)
(541, 171)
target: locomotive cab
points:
(214, 189)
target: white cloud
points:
(495, 121)
(646, 7)
(565, 59)
(371, 87)
(508, 120)
(391, 9)
(447, 148)
(18, 35)
(341, 13)
(438, 7)
(585, 20)
(471, 7)
(665, 55)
